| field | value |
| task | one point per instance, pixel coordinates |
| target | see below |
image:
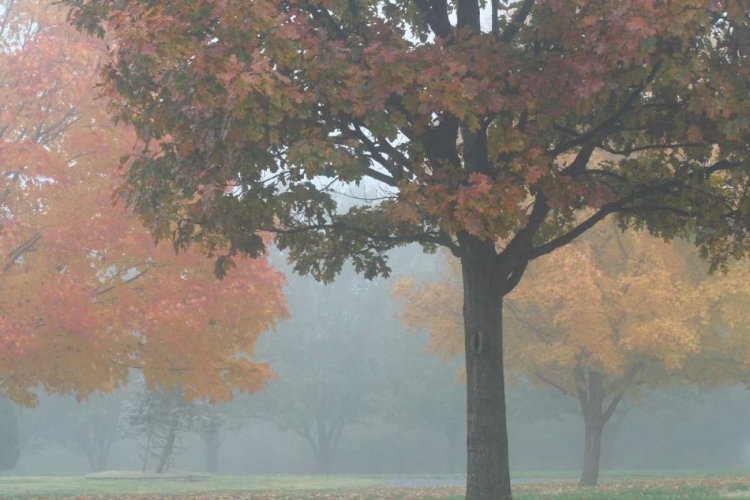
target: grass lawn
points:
(51, 486)
(225, 487)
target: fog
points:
(355, 392)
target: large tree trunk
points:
(488, 469)
(592, 453)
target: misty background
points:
(356, 393)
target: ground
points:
(537, 486)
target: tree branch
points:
(578, 166)
(380, 176)
(322, 14)
(440, 238)
(611, 408)
(603, 126)
(516, 22)
(20, 250)
(553, 384)
(630, 150)
(495, 12)
(621, 206)
(305, 433)
(517, 314)
(140, 274)
(524, 237)
(606, 173)
(436, 16)
(655, 208)
(375, 151)
(627, 379)
(572, 234)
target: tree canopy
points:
(86, 295)
(353, 90)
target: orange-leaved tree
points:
(85, 294)
(596, 320)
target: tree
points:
(635, 319)
(86, 295)
(88, 428)
(10, 449)
(474, 132)
(159, 418)
(430, 397)
(329, 363)
(215, 421)
(96, 440)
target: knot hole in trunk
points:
(477, 342)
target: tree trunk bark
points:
(592, 453)
(591, 395)
(488, 468)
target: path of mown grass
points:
(359, 488)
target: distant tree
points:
(159, 419)
(478, 120)
(10, 449)
(329, 363)
(88, 428)
(431, 397)
(213, 424)
(635, 319)
(213, 435)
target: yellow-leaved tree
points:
(611, 313)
